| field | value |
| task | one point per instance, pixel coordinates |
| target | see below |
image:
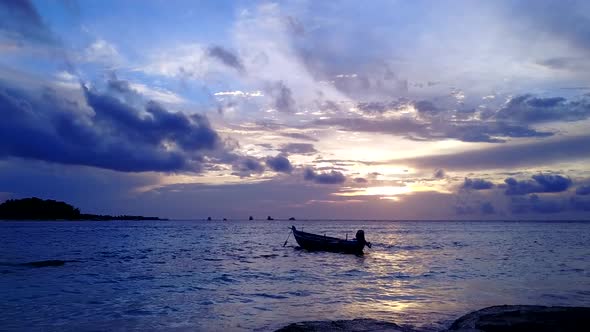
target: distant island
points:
(39, 209)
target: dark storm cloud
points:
(113, 135)
(540, 183)
(298, 148)
(477, 184)
(283, 100)
(508, 156)
(583, 190)
(531, 109)
(227, 57)
(280, 164)
(332, 177)
(20, 21)
(245, 167)
(189, 132)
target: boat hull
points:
(313, 242)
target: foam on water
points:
(236, 275)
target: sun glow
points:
(385, 191)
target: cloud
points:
(102, 131)
(425, 106)
(332, 177)
(380, 107)
(245, 167)
(282, 97)
(508, 156)
(477, 184)
(583, 190)
(280, 164)
(20, 21)
(101, 51)
(565, 63)
(541, 183)
(157, 94)
(300, 136)
(564, 21)
(94, 190)
(226, 57)
(298, 148)
(439, 173)
(466, 131)
(530, 109)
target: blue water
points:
(236, 275)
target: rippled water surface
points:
(236, 275)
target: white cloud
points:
(103, 52)
(239, 93)
(158, 94)
(188, 61)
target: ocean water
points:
(237, 276)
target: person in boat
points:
(360, 237)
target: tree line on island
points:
(47, 209)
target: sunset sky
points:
(313, 109)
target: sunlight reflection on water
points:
(237, 275)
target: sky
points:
(398, 110)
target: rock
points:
(353, 325)
(513, 318)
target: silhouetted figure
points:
(269, 218)
(224, 219)
(208, 218)
(251, 218)
(360, 237)
(292, 218)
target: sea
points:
(237, 275)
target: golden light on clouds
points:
(389, 192)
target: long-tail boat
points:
(314, 242)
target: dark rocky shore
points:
(506, 318)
